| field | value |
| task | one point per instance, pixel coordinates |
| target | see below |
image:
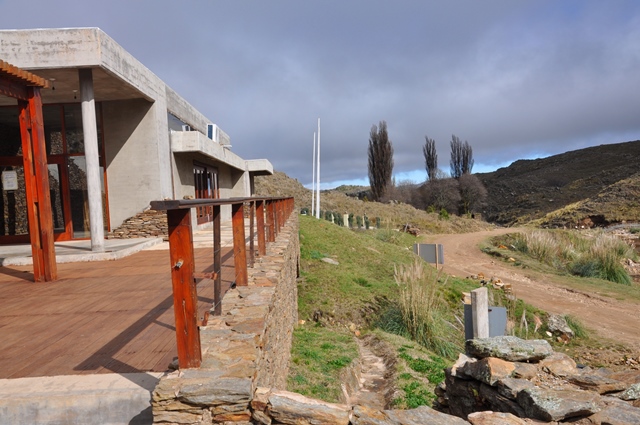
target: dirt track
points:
(609, 318)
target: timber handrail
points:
(267, 216)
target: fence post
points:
(239, 244)
(271, 220)
(185, 298)
(262, 249)
(217, 262)
(480, 312)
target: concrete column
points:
(92, 157)
(480, 312)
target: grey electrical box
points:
(497, 321)
(430, 252)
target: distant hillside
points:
(392, 215)
(601, 182)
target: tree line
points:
(460, 192)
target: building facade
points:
(117, 137)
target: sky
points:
(517, 79)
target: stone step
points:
(105, 399)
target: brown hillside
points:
(600, 181)
(392, 215)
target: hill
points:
(601, 183)
(393, 215)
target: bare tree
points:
(380, 160)
(430, 158)
(473, 194)
(461, 157)
(440, 193)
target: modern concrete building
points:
(117, 137)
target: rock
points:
(363, 415)
(524, 370)
(291, 408)
(420, 416)
(209, 391)
(593, 381)
(510, 387)
(462, 361)
(494, 418)
(552, 405)
(617, 412)
(508, 348)
(488, 370)
(558, 326)
(330, 261)
(559, 364)
(631, 393)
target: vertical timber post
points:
(37, 187)
(217, 262)
(480, 312)
(262, 249)
(252, 235)
(271, 222)
(239, 244)
(185, 298)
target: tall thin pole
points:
(313, 185)
(318, 171)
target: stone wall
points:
(247, 347)
(147, 224)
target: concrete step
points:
(79, 399)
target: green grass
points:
(318, 357)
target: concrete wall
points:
(133, 171)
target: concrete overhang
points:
(259, 167)
(194, 141)
(57, 54)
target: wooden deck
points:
(98, 317)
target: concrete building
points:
(117, 137)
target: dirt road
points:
(615, 320)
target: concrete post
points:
(480, 312)
(92, 157)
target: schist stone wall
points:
(247, 347)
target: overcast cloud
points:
(517, 79)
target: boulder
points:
(494, 418)
(559, 364)
(553, 405)
(558, 326)
(291, 408)
(509, 348)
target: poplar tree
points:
(380, 161)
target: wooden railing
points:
(266, 217)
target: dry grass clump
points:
(423, 308)
(594, 254)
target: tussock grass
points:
(596, 254)
(423, 309)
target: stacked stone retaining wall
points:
(247, 347)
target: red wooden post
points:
(217, 262)
(262, 248)
(239, 247)
(36, 175)
(185, 297)
(271, 237)
(252, 235)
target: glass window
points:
(53, 129)
(10, 140)
(14, 220)
(73, 128)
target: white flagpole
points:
(313, 185)
(318, 171)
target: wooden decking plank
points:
(98, 317)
